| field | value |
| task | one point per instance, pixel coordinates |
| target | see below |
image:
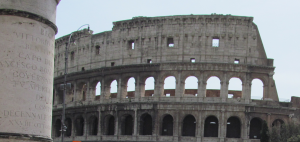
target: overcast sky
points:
(278, 22)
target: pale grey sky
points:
(278, 22)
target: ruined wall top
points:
(186, 38)
(183, 19)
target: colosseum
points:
(199, 46)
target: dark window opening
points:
(233, 128)
(149, 61)
(146, 125)
(112, 64)
(189, 126)
(97, 49)
(170, 42)
(167, 126)
(277, 123)
(127, 125)
(57, 128)
(193, 60)
(72, 55)
(236, 61)
(109, 125)
(211, 127)
(82, 69)
(215, 42)
(68, 123)
(93, 125)
(255, 128)
(131, 44)
(79, 123)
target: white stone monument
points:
(26, 65)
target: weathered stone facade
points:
(158, 47)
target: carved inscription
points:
(26, 61)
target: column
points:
(201, 88)
(138, 87)
(199, 128)
(99, 123)
(269, 120)
(135, 125)
(222, 127)
(224, 88)
(85, 126)
(27, 38)
(179, 90)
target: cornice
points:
(25, 14)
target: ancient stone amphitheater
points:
(201, 46)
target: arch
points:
(79, 125)
(68, 123)
(114, 89)
(81, 91)
(211, 127)
(257, 90)
(189, 126)
(167, 125)
(213, 87)
(146, 124)
(233, 129)
(255, 128)
(59, 94)
(93, 125)
(130, 87)
(109, 125)
(57, 128)
(277, 123)
(169, 86)
(149, 86)
(235, 88)
(98, 89)
(191, 86)
(127, 125)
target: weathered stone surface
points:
(184, 115)
(26, 64)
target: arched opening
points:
(60, 94)
(149, 87)
(255, 128)
(109, 125)
(97, 49)
(98, 90)
(167, 126)
(169, 86)
(277, 123)
(130, 88)
(213, 87)
(191, 86)
(68, 123)
(57, 128)
(235, 88)
(189, 126)
(257, 90)
(79, 125)
(113, 89)
(146, 125)
(233, 128)
(93, 125)
(211, 127)
(82, 89)
(127, 125)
